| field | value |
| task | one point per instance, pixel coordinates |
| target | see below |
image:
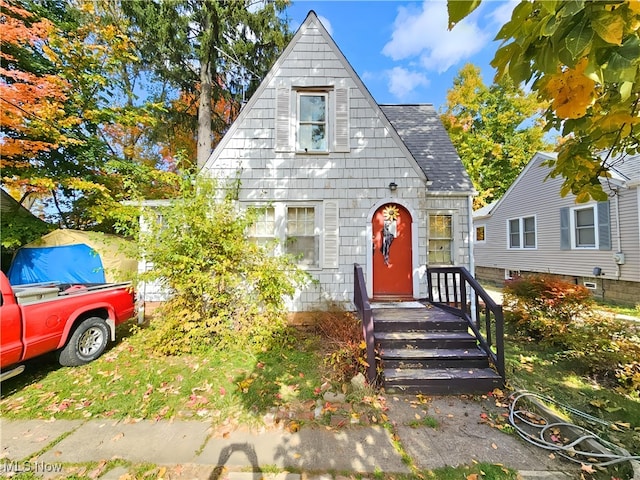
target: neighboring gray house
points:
(343, 179)
(533, 229)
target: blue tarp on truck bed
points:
(73, 256)
(65, 264)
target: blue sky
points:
(402, 50)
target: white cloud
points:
(422, 32)
(502, 13)
(326, 24)
(402, 82)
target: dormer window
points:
(312, 122)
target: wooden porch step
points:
(434, 358)
(406, 320)
(441, 381)
(425, 339)
(430, 350)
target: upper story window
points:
(440, 239)
(522, 232)
(312, 119)
(312, 132)
(480, 236)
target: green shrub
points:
(561, 314)
(224, 287)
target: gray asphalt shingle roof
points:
(421, 130)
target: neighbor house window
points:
(263, 229)
(584, 227)
(480, 234)
(302, 240)
(440, 240)
(522, 232)
(312, 122)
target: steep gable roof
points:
(424, 135)
(417, 128)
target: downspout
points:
(472, 262)
(618, 273)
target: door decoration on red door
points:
(391, 216)
(392, 257)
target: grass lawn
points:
(285, 383)
(226, 388)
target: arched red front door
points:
(392, 258)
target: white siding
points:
(531, 195)
(349, 180)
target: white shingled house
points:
(533, 229)
(344, 180)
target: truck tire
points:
(87, 343)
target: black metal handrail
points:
(455, 290)
(361, 300)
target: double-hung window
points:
(440, 239)
(522, 232)
(585, 227)
(302, 238)
(312, 122)
(312, 119)
(262, 231)
(309, 231)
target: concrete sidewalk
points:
(193, 450)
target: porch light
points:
(393, 186)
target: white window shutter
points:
(331, 234)
(282, 143)
(342, 120)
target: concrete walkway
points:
(193, 450)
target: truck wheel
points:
(86, 344)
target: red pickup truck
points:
(77, 321)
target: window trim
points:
(602, 220)
(327, 123)
(262, 236)
(317, 231)
(573, 227)
(522, 233)
(447, 213)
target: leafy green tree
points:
(75, 130)
(215, 50)
(224, 287)
(496, 130)
(583, 57)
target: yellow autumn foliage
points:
(571, 91)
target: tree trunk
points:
(204, 114)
